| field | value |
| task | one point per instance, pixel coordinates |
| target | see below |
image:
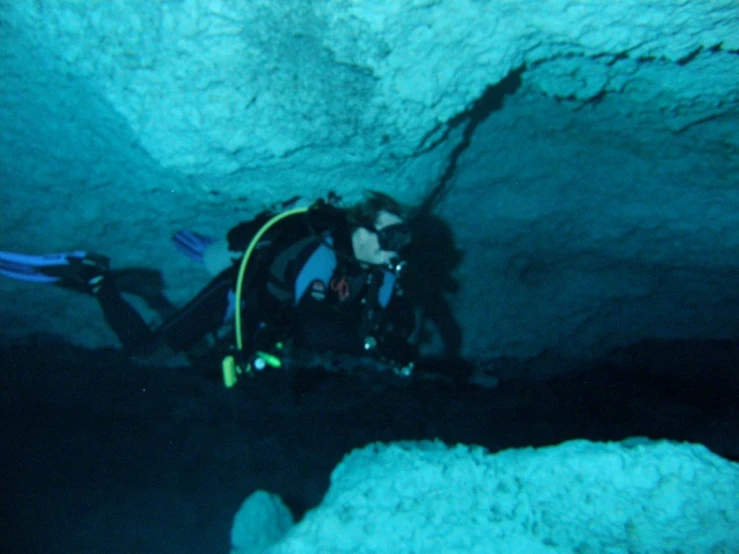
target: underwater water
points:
(101, 455)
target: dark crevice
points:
(618, 57)
(685, 60)
(594, 100)
(423, 147)
(700, 121)
(490, 101)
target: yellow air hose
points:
(231, 367)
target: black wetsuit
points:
(311, 290)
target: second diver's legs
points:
(183, 329)
(202, 315)
(90, 273)
(128, 325)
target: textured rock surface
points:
(261, 521)
(636, 496)
(216, 88)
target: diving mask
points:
(394, 238)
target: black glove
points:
(81, 274)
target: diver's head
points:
(378, 230)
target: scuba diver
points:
(322, 278)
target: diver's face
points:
(366, 242)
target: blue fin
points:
(36, 269)
(192, 244)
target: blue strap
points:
(385, 294)
(319, 267)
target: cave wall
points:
(595, 202)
